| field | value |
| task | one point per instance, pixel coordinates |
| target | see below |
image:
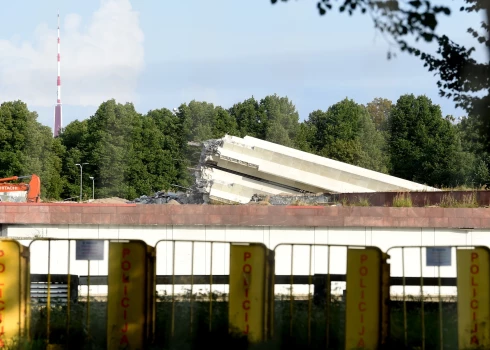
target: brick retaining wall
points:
(242, 215)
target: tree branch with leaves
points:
(461, 77)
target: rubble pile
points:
(193, 197)
(163, 197)
(286, 199)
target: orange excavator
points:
(33, 188)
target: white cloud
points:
(100, 60)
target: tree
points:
(423, 146)
(14, 120)
(379, 109)
(27, 147)
(164, 155)
(73, 139)
(305, 137)
(223, 123)
(110, 148)
(250, 118)
(273, 119)
(345, 132)
(461, 76)
(473, 143)
(281, 120)
(200, 121)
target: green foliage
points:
(362, 202)
(111, 142)
(281, 122)
(423, 146)
(473, 143)
(462, 77)
(311, 321)
(379, 109)
(130, 154)
(273, 119)
(27, 147)
(345, 132)
(250, 118)
(402, 200)
(468, 201)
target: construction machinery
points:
(21, 192)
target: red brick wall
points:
(242, 215)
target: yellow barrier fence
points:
(327, 296)
(251, 291)
(131, 286)
(235, 291)
(445, 315)
(351, 314)
(116, 312)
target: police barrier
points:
(14, 292)
(246, 309)
(353, 314)
(130, 302)
(473, 298)
(364, 298)
(362, 309)
(119, 313)
(454, 315)
(251, 291)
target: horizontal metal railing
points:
(279, 279)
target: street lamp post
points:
(93, 187)
(81, 172)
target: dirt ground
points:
(114, 200)
(111, 200)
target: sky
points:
(160, 54)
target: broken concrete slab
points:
(233, 170)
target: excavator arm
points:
(33, 188)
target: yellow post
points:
(473, 298)
(127, 292)
(363, 305)
(248, 291)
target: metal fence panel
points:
(332, 296)
(83, 319)
(439, 316)
(305, 317)
(198, 299)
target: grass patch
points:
(295, 325)
(402, 200)
(468, 201)
(360, 202)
